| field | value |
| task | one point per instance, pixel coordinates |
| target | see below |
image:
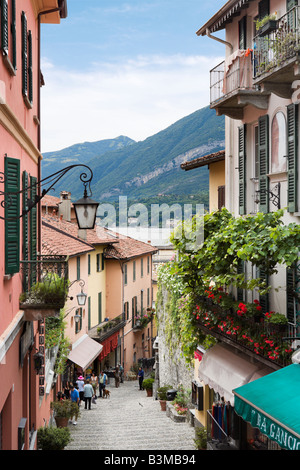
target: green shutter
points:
(14, 34)
(102, 262)
(99, 307)
(241, 291)
(33, 219)
(292, 152)
(12, 214)
(243, 33)
(4, 26)
(242, 169)
(264, 299)
(24, 55)
(25, 252)
(263, 159)
(30, 72)
(290, 294)
(78, 267)
(263, 8)
(89, 313)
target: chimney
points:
(64, 207)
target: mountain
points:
(147, 168)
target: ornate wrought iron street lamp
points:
(85, 208)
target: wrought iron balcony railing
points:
(279, 46)
(109, 327)
(45, 284)
(231, 76)
(267, 342)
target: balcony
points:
(108, 328)
(142, 320)
(232, 88)
(276, 55)
(45, 286)
(267, 342)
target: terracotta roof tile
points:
(128, 248)
(97, 236)
(57, 242)
(202, 161)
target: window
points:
(8, 35)
(126, 310)
(98, 262)
(148, 264)
(292, 156)
(221, 197)
(27, 75)
(278, 143)
(89, 313)
(243, 33)
(148, 297)
(142, 267)
(242, 168)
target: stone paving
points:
(129, 420)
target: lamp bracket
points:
(52, 180)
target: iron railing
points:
(44, 282)
(280, 45)
(231, 75)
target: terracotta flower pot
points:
(149, 392)
(61, 422)
(163, 405)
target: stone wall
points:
(171, 368)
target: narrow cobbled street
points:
(129, 420)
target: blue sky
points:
(115, 67)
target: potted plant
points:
(51, 438)
(148, 386)
(276, 320)
(63, 411)
(48, 294)
(162, 396)
(266, 25)
(201, 438)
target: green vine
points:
(55, 336)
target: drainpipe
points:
(219, 40)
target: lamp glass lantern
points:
(86, 210)
(81, 298)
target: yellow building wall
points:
(216, 179)
(96, 284)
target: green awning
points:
(272, 404)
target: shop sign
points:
(274, 431)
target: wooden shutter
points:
(33, 219)
(4, 26)
(243, 33)
(89, 313)
(264, 299)
(14, 34)
(102, 262)
(99, 307)
(78, 267)
(263, 159)
(241, 270)
(221, 197)
(24, 55)
(263, 8)
(292, 153)
(290, 294)
(242, 169)
(25, 252)
(30, 72)
(12, 210)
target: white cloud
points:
(137, 98)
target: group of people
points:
(85, 389)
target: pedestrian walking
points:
(117, 377)
(102, 382)
(74, 396)
(121, 373)
(141, 377)
(80, 385)
(88, 394)
(94, 382)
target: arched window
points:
(278, 143)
